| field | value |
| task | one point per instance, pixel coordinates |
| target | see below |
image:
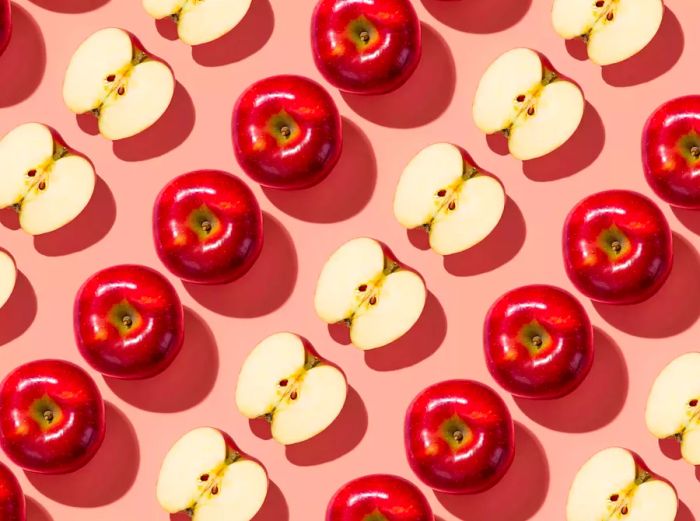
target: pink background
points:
(381, 133)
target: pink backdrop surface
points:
(381, 134)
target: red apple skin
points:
(128, 322)
(459, 437)
(538, 342)
(207, 227)
(380, 64)
(53, 417)
(5, 24)
(379, 497)
(617, 247)
(287, 132)
(12, 502)
(671, 151)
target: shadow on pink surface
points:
(684, 513)
(576, 47)
(502, 245)
(36, 512)
(165, 135)
(106, 478)
(243, 41)
(424, 338)
(343, 435)
(688, 218)
(518, 496)
(25, 56)
(18, 313)
(651, 318)
(346, 190)
(671, 448)
(187, 381)
(70, 6)
(267, 285)
(478, 16)
(595, 403)
(655, 59)
(424, 97)
(576, 154)
(89, 228)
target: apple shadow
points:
(577, 49)
(91, 226)
(346, 190)
(671, 448)
(9, 218)
(262, 290)
(275, 506)
(24, 60)
(688, 218)
(423, 98)
(684, 513)
(518, 496)
(502, 245)
(595, 402)
(581, 149)
(244, 40)
(106, 478)
(188, 380)
(653, 318)
(421, 341)
(260, 427)
(36, 512)
(164, 135)
(657, 58)
(337, 439)
(498, 143)
(70, 6)
(19, 311)
(478, 16)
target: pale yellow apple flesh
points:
(372, 294)
(294, 390)
(8, 277)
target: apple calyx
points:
(292, 385)
(116, 83)
(367, 293)
(528, 100)
(213, 481)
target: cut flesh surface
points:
(8, 277)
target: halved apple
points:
(673, 406)
(615, 485)
(443, 191)
(287, 383)
(536, 109)
(112, 77)
(363, 286)
(207, 476)
(8, 277)
(199, 21)
(613, 30)
(47, 183)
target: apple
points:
(207, 227)
(12, 502)
(673, 406)
(617, 247)
(538, 342)
(379, 497)
(128, 322)
(613, 30)
(366, 46)
(53, 417)
(459, 437)
(287, 132)
(285, 381)
(46, 182)
(112, 76)
(365, 287)
(8, 277)
(5, 24)
(615, 484)
(199, 22)
(207, 476)
(522, 96)
(671, 151)
(443, 191)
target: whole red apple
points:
(128, 322)
(5, 24)
(366, 46)
(538, 342)
(12, 502)
(379, 497)
(671, 151)
(617, 247)
(287, 132)
(459, 437)
(207, 227)
(52, 417)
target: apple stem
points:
(206, 226)
(537, 341)
(48, 416)
(364, 36)
(695, 152)
(458, 436)
(285, 131)
(126, 320)
(616, 246)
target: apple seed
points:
(31, 173)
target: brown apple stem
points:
(458, 436)
(48, 416)
(206, 226)
(286, 131)
(364, 36)
(616, 246)
(695, 152)
(126, 320)
(537, 341)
